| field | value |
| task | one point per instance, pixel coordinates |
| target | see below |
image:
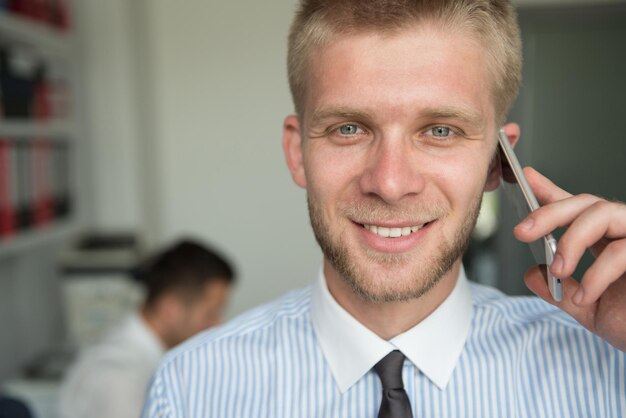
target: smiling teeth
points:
(393, 232)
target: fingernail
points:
(557, 264)
(578, 296)
(526, 224)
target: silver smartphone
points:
(523, 199)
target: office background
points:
(181, 107)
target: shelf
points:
(54, 51)
(14, 129)
(46, 40)
(30, 239)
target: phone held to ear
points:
(523, 199)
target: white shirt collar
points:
(433, 346)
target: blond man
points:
(397, 108)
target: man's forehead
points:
(431, 28)
(348, 58)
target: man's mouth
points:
(393, 232)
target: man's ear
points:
(292, 147)
(512, 132)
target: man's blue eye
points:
(349, 129)
(441, 131)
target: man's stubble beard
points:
(421, 280)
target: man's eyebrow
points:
(474, 119)
(337, 112)
(455, 113)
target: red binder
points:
(25, 199)
(44, 203)
(8, 224)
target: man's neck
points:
(390, 319)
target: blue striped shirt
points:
(521, 358)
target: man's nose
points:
(392, 171)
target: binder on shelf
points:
(18, 79)
(52, 13)
(43, 206)
(32, 9)
(35, 184)
(41, 109)
(18, 7)
(61, 188)
(8, 224)
(57, 92)
(41, 11)
(25, 218)
(61, 15)
(14, 184)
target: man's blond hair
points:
(494, 22)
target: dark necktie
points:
(395, 402)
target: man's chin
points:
(386, 262)
(388, 294)
(392, 277)
(391, 285)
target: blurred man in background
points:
(187, 287)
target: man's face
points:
(394, 149)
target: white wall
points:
(215, 87)
(107, 65)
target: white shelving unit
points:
(36, 237)
(52, 129)
(50, 45)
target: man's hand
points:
(599, 301)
